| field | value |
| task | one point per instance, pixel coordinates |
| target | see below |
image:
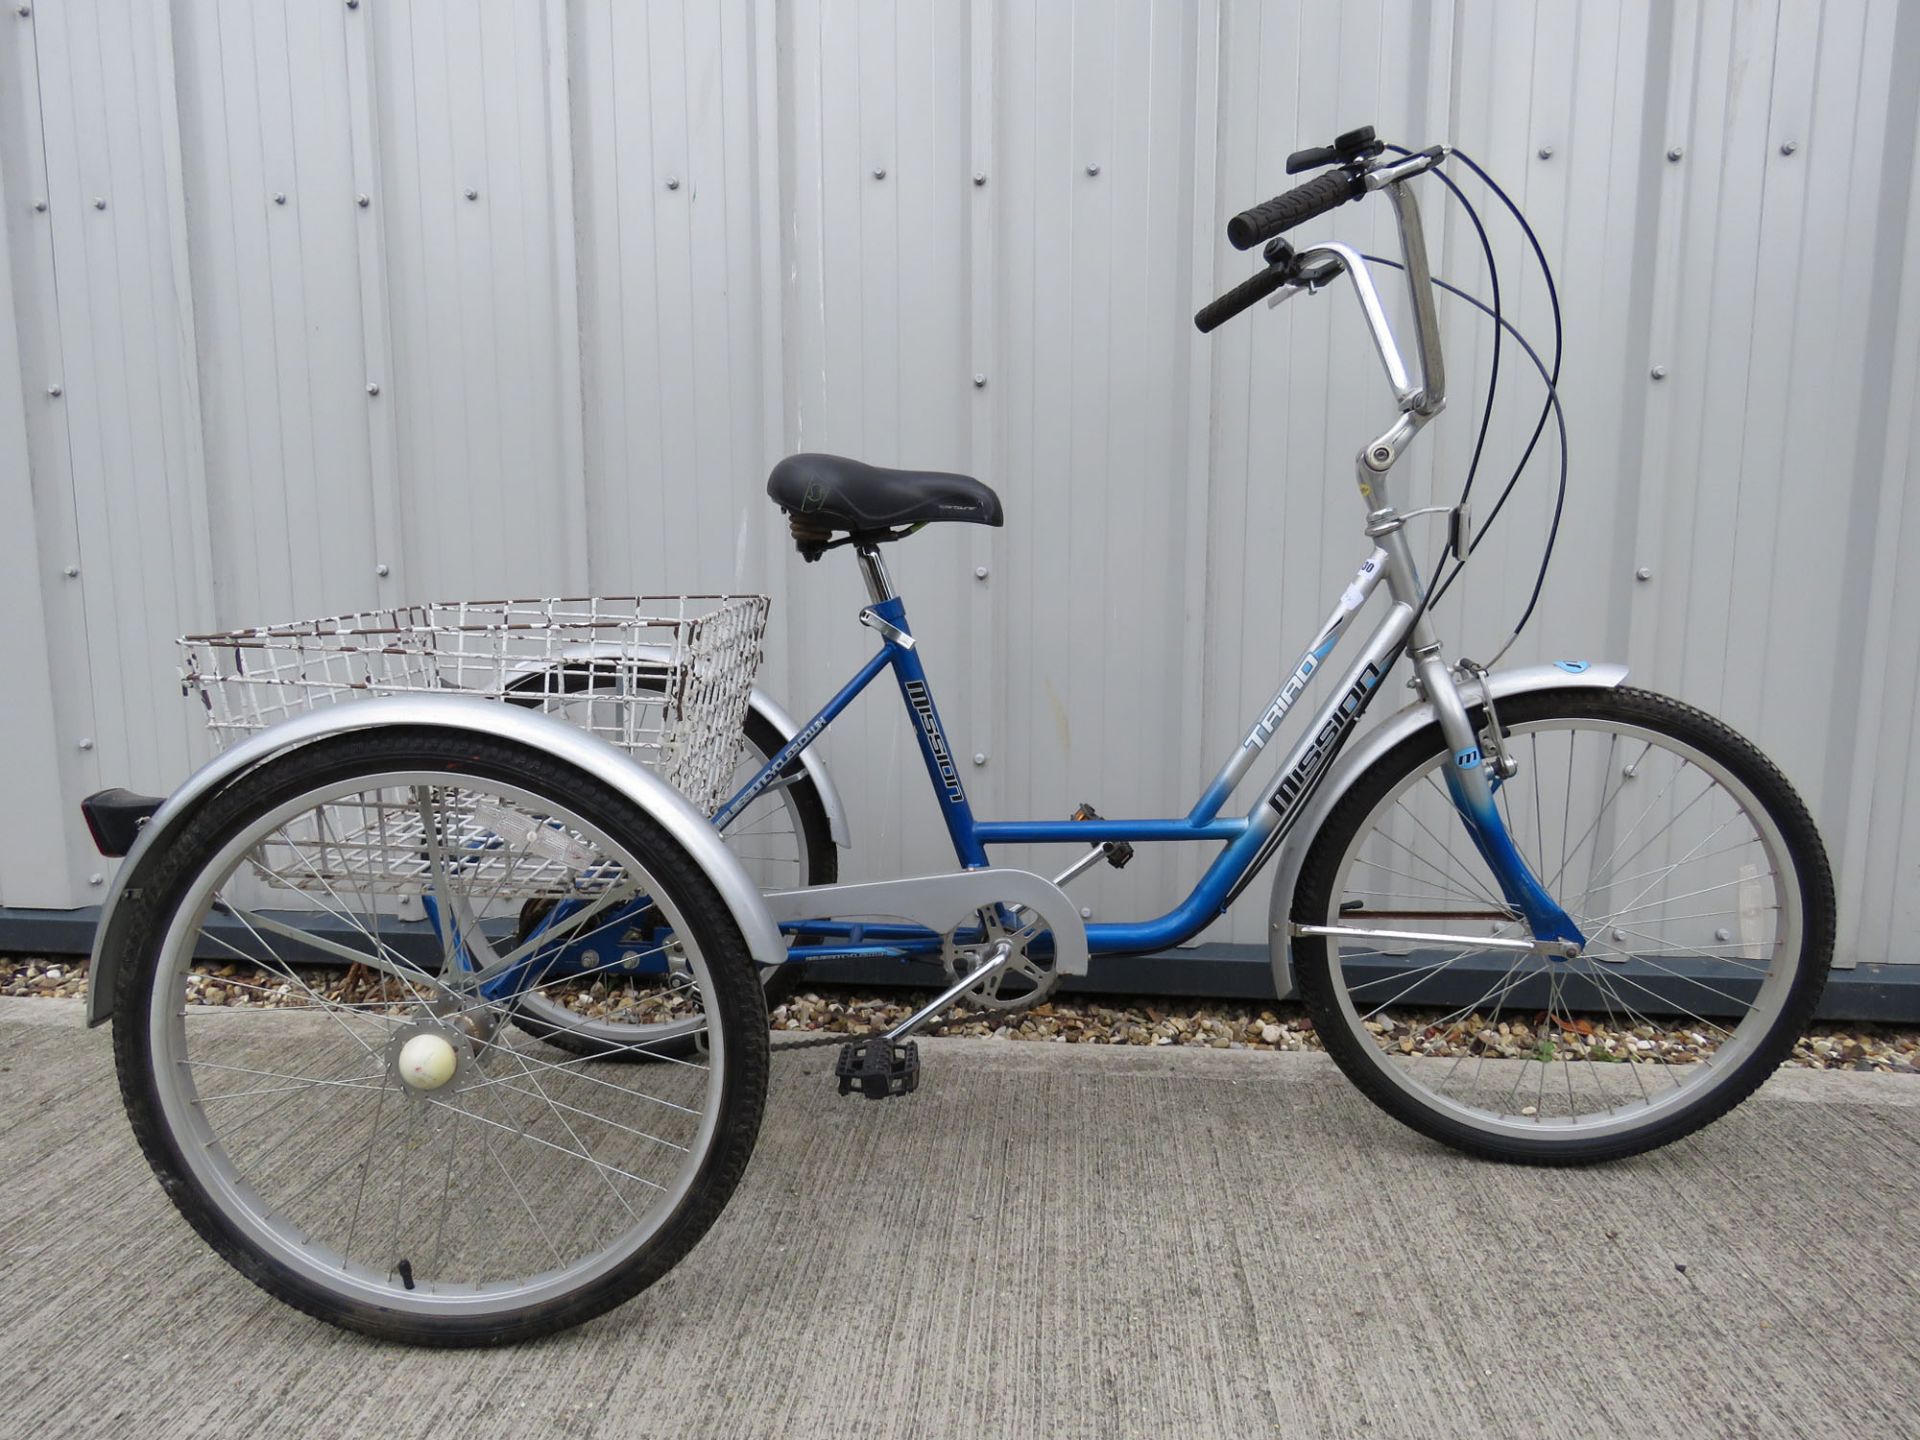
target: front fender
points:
(451, 712)
(1353, 762)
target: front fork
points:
(1471, 785)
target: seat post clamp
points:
(873, 620)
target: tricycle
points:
(442, 1014)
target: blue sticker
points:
(1574, 667)
(1468, 758)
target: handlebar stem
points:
(1368, 294)
(1426, 323)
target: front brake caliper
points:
(1493, 739)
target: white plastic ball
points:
(426, 1062)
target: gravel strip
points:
(1092, 1020)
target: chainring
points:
(1027, 981)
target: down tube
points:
(1235, 867)
(1285, 799)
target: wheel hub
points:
(430, 1057)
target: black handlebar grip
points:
(1303, 202)
(1216, 313)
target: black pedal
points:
(1118, 852)
(878, 1069)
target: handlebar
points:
(1298, 205)
(1216, 313)
(1362, 166)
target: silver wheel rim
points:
(1648, 844)
(772, 821)
(558, 1159)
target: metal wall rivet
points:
(673, 182)
(373, 387)
(1619, 935)
(879, 172)
(23, 11)
(40, 206)
(979, 572)
(1546, 152)
(1659, 372)
(353, 4)
(72, 572)
(979, 382)
(1723, 935)
(382, 571)
(979, 178)
(86, 743)
(279, 197)
(1645, 572)
(96, 878)
(979, 757)
(99, 202)
(472, 194)
(1086, 912)
(363, 201)
(1093, 169)
(54, 391)
(1787, 147)
(1674, 152)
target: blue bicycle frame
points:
(1247, 840)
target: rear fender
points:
(565, 742)
(1353, 763)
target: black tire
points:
(740, 1018)
(1315, 901)
(778, 982)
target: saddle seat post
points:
(873, 570)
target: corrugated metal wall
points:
(319, 304)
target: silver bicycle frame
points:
(1406, 626)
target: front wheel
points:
(391, 1157)
(1681, 853)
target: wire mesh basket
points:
(483, 855)
(665, 677)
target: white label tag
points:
(537, 837)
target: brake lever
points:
(1393, 172)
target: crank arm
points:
(1001, 957)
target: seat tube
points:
(943, 767)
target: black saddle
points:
(826, 493)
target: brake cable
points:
(1553, 382)
(1438, 588)
(1553, 406)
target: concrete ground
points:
(1049, 1240)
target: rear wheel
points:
(1681, 853)
(783, 838)
(382, 1155)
